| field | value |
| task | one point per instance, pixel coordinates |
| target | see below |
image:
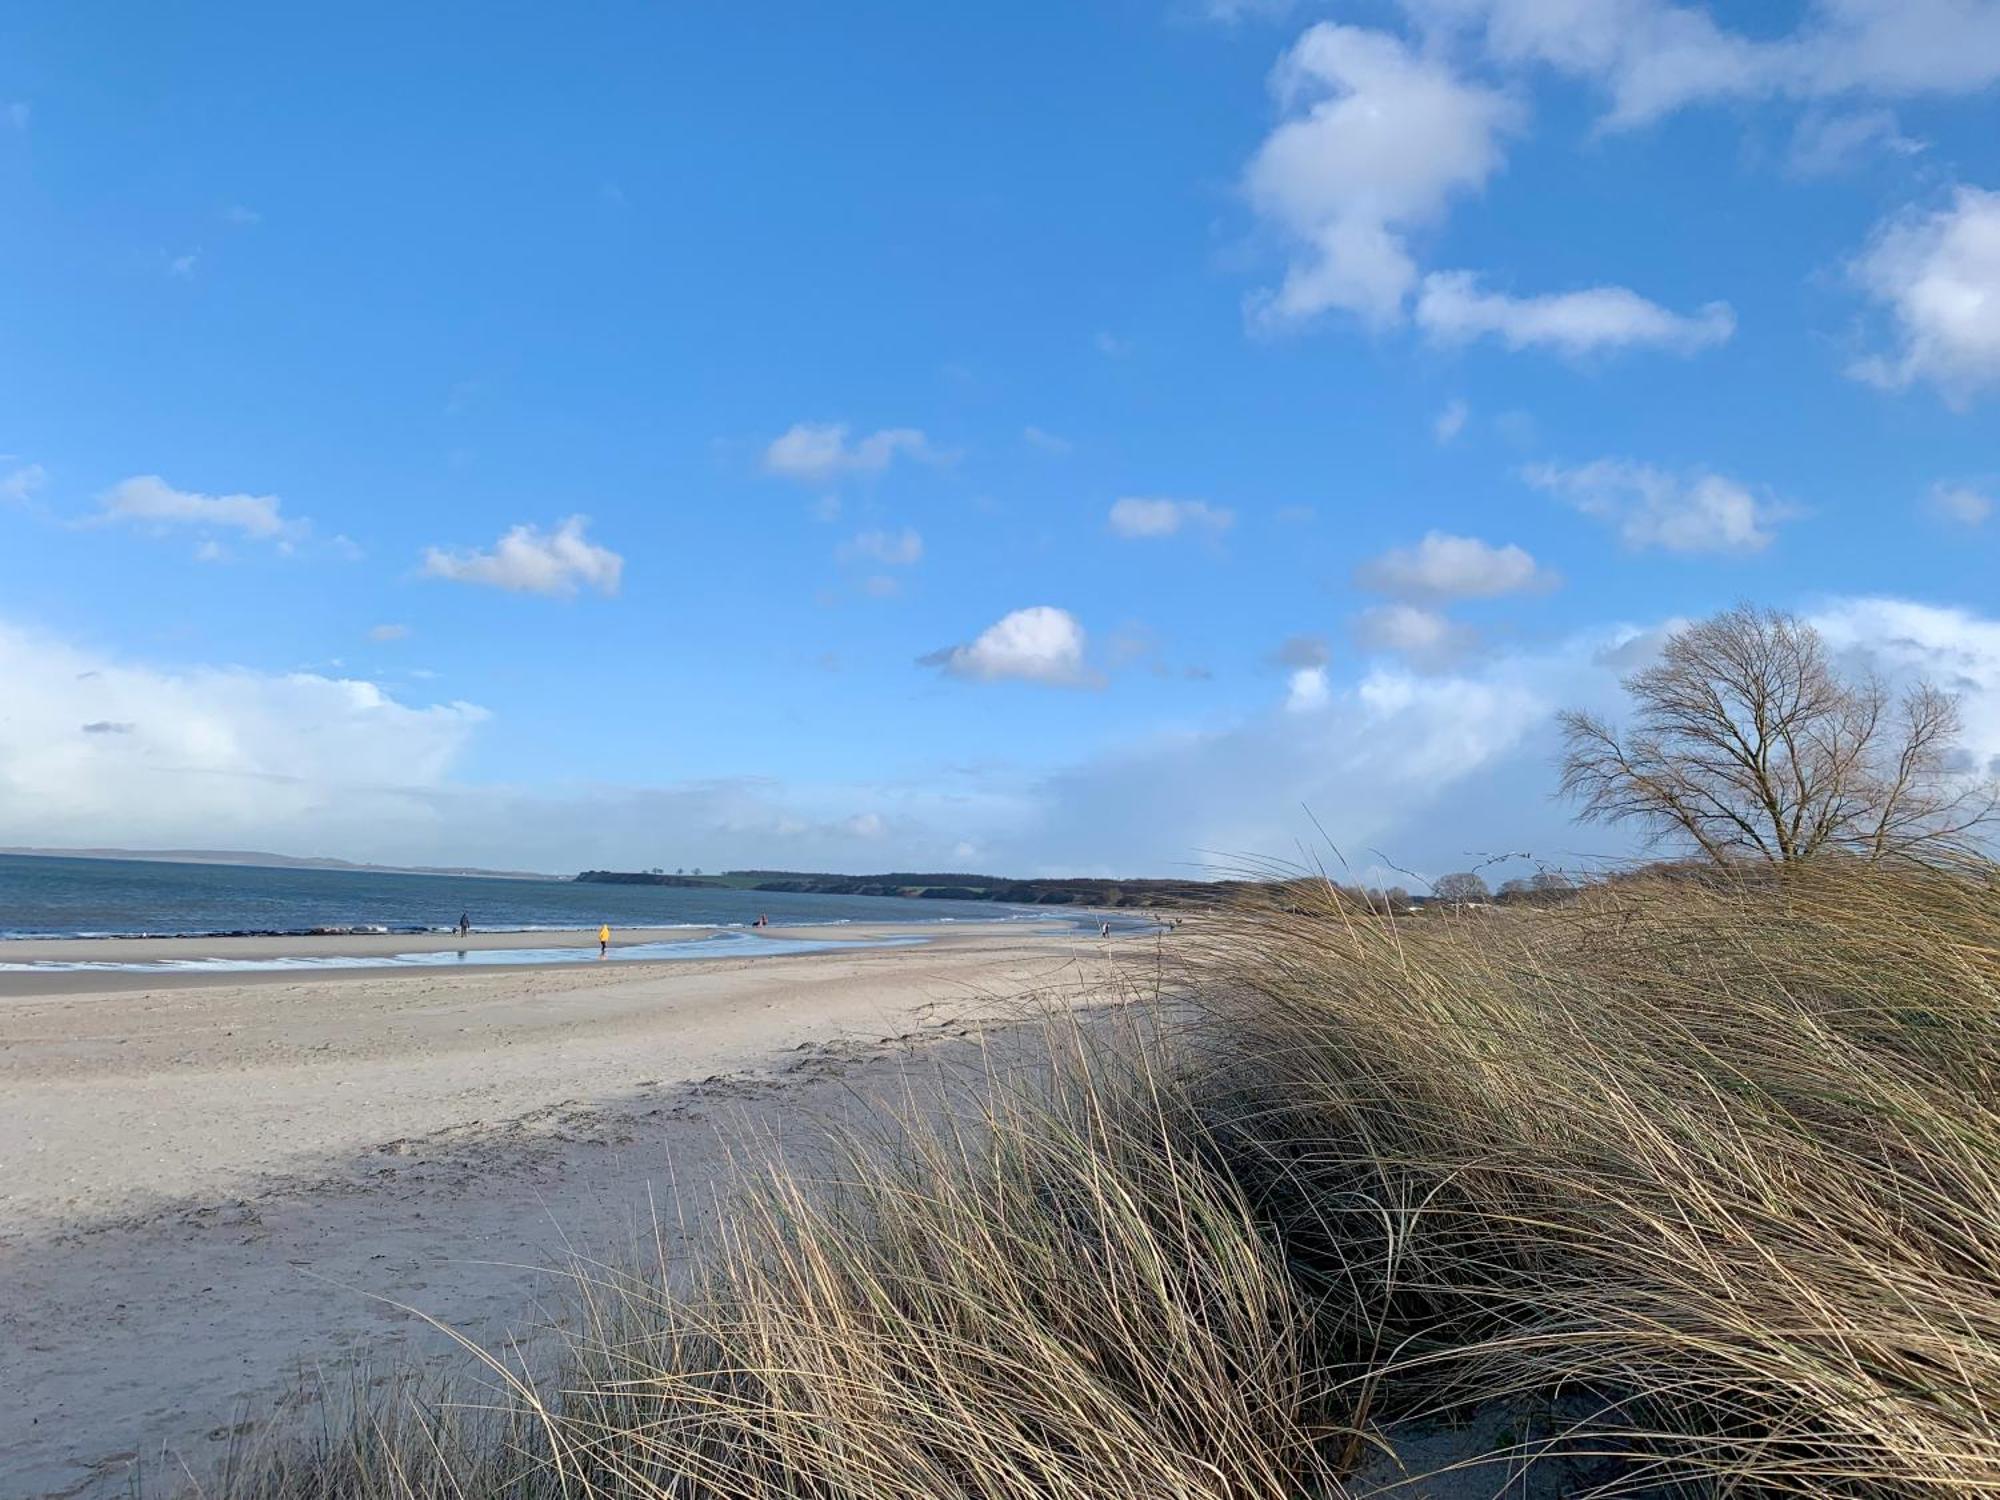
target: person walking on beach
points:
(464, 923)
(604, 940)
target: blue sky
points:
(1036, 437)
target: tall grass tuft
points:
(1708, 1169)
(1047, 1294)
(1717, 1161)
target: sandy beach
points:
(211, 1184)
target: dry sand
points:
(207, 1187)
(221, 1198)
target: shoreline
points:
(213, 1182)
(31, 967)
(504, 930)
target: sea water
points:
(46, 896)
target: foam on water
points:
(723, 945)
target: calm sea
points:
(49, 897)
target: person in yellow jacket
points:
(604, 940)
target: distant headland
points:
(1066, 891)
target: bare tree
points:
(1460, 888)
(1748, 743)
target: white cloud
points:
(1454, 308)
(1826, 143)
(389, 633)
(18, 486)
(182, 266)
(1653, 56)
(1432, 768)
(1938, 274)
(1136, 518)
(1960, 503)
(1037, 644)
(1306, 690)
(1954, 648)
(1048, 442)
(1377, 140)
(97, 750)
(148, 500)
(1450, 422)
(893, 549)
(1303, 651)
(530, 560)
(1443, 566)
(815, 452)
(1423, 636)
(1651, 507)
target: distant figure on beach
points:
(604, 940)
(1105, 930)
(464, 923)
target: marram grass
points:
(1710, 1170)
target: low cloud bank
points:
(1393, 767)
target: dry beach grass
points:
(1705, 1173)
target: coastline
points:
(48, 966)
(209, 1184)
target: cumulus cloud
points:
(1450, 422)
(1136, 518)
(1938, 276)
(1376, 141)
(1826, 143)
(1443, 566)
(816, 452)
(208, 756)
(1424, 637)
(1960, 503)
(1038, 644)
(1429, 767)
(1902, 639)
(893, 549)
(1652, 57)
(1454, 308)
(1387, 762)
(1303, 651)
(1651, 507)
(19, 485)
(1048, 442)
(149, 501)
(532, 561)
(1307, 691)
(1433, 768)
